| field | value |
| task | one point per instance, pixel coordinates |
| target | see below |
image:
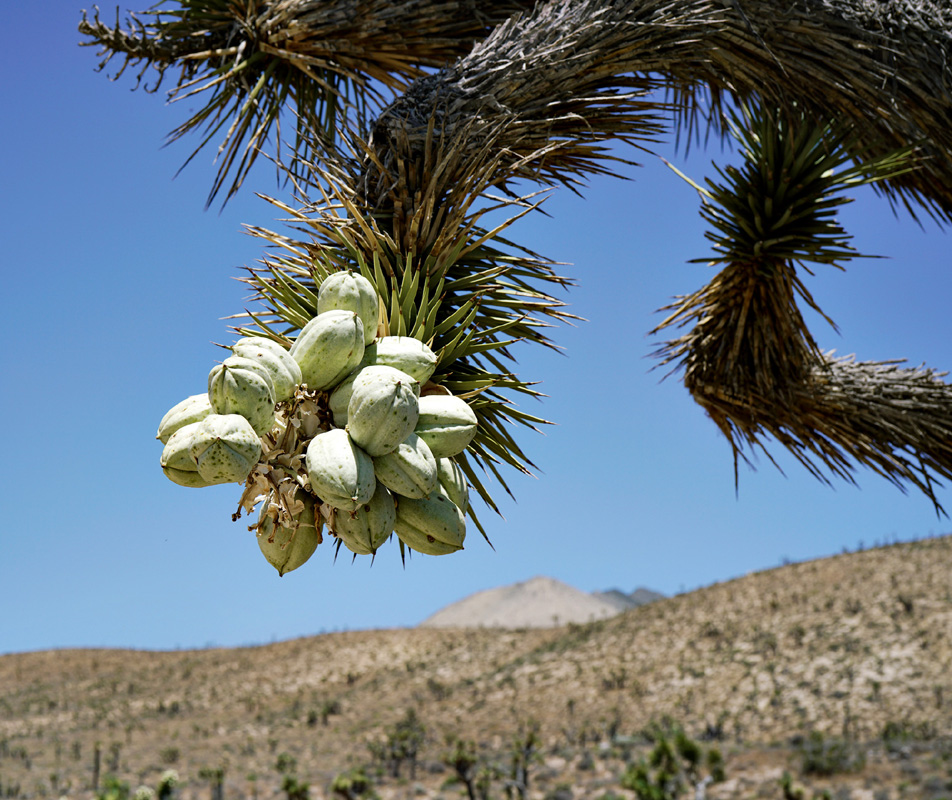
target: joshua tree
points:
(413, 118)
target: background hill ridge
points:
(852, 643)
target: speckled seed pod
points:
(241, 386)
(284, 371)
(453, 482)
(177, 462)
(404, 353)
(369, 526)
(191, 409)
(339, 399)
(433, 525)
(447, 424)
(225, 447)
(341, 474)
(383, 409)
(410, 470)
(351, 291)
(287, 547)
(329, 347)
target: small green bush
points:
(829, 755)
(353, 784)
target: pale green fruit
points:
(446, 423)
(341, 474)
(404, 353)
(433, 525)
(175, 454)
(369, 526)
(284, 371)
(191, 409)
(225, 447)
(176, 460)
(351, 291)
(410, 470)
(453, 482)
(191, 480)
(383, 409)
(288, 547)
(241, 386)
(339, 399)
(328, 347)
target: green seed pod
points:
(339, 399)
(191, 409)
(284, 371)
(225, 447)
(351, 291)
(176, 461)
(410, 470)
(447, 424)
(191, 480)
(383, 409)
(453, 482)
(329, 347)
(341, 474)
(242, 386)
(433, 525)
(369, 526)
(404, 353)
(175, 454)
(287, 547)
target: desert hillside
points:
(847, 645)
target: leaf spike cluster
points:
(749, 359)
(441, 275)
(251, 62)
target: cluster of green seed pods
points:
(343, 429)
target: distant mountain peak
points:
(539, 602)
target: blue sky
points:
(117, 280)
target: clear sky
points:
(116, 281)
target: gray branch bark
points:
(555, 74)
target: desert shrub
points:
(295, 789)
(113, 789)
(897, 736)
(791, 791)
(286, 763)
(524, 752)
(216, 779)
(829, 755)
(9, 789)
(402, 744)
(561, 792)
(168, 781)
(675, 764)
(322, 714)
(353, 784)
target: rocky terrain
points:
(854, 651)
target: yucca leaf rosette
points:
(462, 291)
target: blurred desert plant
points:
(675, 764)
(829, 755)
(353, 784)
(523, 753)
(294, 789)
(113, 789)
(216, 779)
(168, 782)
(401, 744)
(471, 771)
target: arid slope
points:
(843, 645)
